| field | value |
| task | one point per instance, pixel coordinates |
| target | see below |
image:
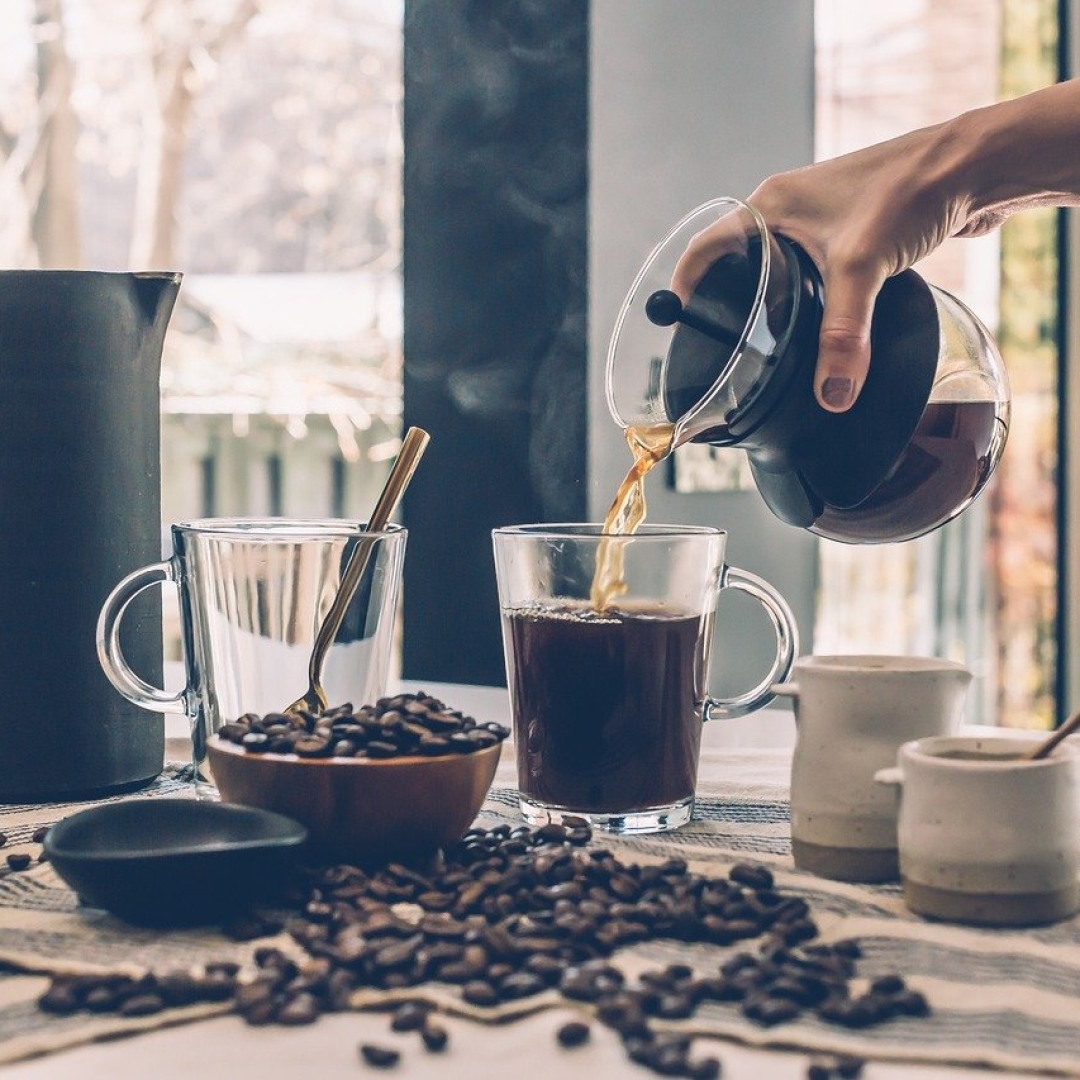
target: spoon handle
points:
(412, 449)
(1066, 729)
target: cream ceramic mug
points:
(985, 836)
(852, 713)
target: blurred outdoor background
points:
(256, 146)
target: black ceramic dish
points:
(174, 862)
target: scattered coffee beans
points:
(404, 725)
(510, 913)
(846, 1067)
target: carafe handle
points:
(787, 646)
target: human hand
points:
(861, 218)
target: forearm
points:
(1020, 153)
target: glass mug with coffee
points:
(608, 685)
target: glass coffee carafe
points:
(734, 366)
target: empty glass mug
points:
(608, 704)
(253, 594)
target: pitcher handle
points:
(787, 646)
(110, 655)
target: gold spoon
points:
(412, 448)
(1066, 729)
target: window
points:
(982, 589)
(255, 146)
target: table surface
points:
(227, 1047)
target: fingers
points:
(728, 234)
(844, 343)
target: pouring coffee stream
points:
(412, 449)
(648, 446)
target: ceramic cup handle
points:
(787, 646)
(891, 777)
(116, 668)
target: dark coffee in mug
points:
(607, 704)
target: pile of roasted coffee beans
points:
(509, 913)
(400, 726)
(405, 725)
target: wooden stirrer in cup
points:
(412, 448)
(1066, 729)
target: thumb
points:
(844, 341)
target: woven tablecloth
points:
(1001, 998)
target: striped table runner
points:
(1003, 998)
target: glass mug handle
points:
(787, 646)
(110, 656)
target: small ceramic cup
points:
(987, 837)
(852, 713)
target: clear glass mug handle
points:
(787, 646)
(110, 655)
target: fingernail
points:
(837, 390)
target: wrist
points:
(977, 160)
(1018, 153)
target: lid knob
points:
(663, 308)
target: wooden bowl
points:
(361, 810)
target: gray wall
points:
(688, 101)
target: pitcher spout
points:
(156, 293)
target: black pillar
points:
(495, 205)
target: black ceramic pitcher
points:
(80, 506)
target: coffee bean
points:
(381, 748)
(61, 999)
(850, 1012)
(521, 984)
(101, 999)
(19, 860)
(572, 1034)
(669, 1059)
(819, 1070)
(39, 834)
(768, 1011)
(705, 1069)
(479, 992)
(141, 1005)
(260, 1012)
(379, 1057)
(850, 949)
(911, 1003)
(753, 876)
(410, 1017)
(434, 1037)
(675, 1007)
(848, 1066)
(888, 984)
